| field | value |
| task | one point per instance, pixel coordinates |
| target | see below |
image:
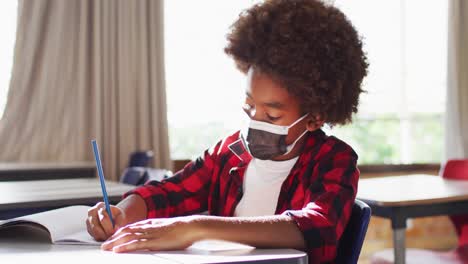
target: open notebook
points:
(65, 225)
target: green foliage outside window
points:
(380, 141)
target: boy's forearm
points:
(263, 232)
(276, 231)
(134, 208)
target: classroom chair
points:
(140, 158)
(352, 239)
(135, 173)
(134, 176)
(139, 171)
(140, 175)
(456, 169)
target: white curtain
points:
(87, 69)
(456, 124)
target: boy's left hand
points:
(154, 234)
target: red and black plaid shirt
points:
(318, 193)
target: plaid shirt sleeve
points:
(328, 201)
(184, 193)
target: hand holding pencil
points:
(103, 219)
(99, 224)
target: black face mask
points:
(266, 141)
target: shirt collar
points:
(240, 150)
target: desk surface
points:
(15, 248)
(50, 193)
(14, 171)
(16, 166)
(411, 190)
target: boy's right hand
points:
(99, 224)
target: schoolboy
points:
(280, 182)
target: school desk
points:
(402, 197)
(27, 248)
(16, 171)
(26, 197)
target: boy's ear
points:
(315, 122)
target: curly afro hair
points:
(308, 47)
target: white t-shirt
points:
(262, 185)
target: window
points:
(400, 116)
(204, 89)
(8, 12)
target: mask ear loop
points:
(290, 147)
(297, 121)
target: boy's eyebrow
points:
(277, 105)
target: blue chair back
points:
(140, 158)
(352, 239)
(140, 175)
(134, 176)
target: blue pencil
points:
(101, 178)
